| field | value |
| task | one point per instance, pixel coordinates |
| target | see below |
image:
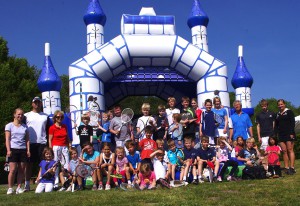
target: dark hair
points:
(148, 129)
(129, 143)
(274, 138)
(205, 139)
(188, 138)
(87, 144)
(207, 101)
(47, 149)
(171, 142)
(263, 101)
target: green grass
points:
(282, 191)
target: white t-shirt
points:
(17, 135)
(142, 123)
(37, 126)
(160, 168)
(170, 113)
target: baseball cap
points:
(36, 99)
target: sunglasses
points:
(59, 117)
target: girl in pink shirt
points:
(147, 179)
(273, 152)
(122, 166)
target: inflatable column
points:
(216, 76)
(50, 85)
(86, 88)
(242, 82)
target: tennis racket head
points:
(83, 170)
(177, 132)
(72, 113)
(127, 115)
(218, 119)
(184, 116)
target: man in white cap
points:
(38, 125)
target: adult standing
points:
(18, 150)
(59, 142)
(222, 113)
(38, 125)
(284, 129)
(241, 124)
(265, 124)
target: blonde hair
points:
(57, 112)
(159, 141)
(146, 106)
(172, 99)
(120, 149)
(251, 139)
(85, 116)
(145, 168)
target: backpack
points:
(255, 172)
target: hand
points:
(165, 137)
(292, 136)
(230, 141)
(75, 125)
(179, 142)
(28, 154)
(259, 139)
(8, 153)
(225, 131)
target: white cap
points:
(240, 54)
(47, 49)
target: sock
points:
(184, 178)
(100, 183)
(199, 177)
(194, 177)
(27, 182)
(129, 182)
(172, 182)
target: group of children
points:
(174, 142)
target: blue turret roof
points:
(94, 14)
(241, 76)
(198, 16)
(48, 79)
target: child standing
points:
(175, 157)
(147, 179)
(107, 162)
(92, 158)
(206, 155)
(162, 124)
(147, 146)
(273, 152)
(176, 130)
(133, 156)
(223, 151)
(106, 135)
(85, 131)
(145, 120)
(208, 124)
(171, 110)
(188, 118)
(45, 177)
(122, 166)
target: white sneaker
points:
(229, 178)
(69, 189)
(100, 187)
(10, 191)
(19, 190)
(172, 183)
(219, 179)
(185, 183)
(107, 187)
(201, 180)
(61, 189)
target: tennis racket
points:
(72, 113)
(218, 119)
(118, 176)
(190, 168)
(50, 169)
(176, 133)
(84, 170)
(178, 183)
(142, 131)
(184, 116)
(126, 116)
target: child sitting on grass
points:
(107, 162)
(175, 157)
(147, 178)
(160, 167)
(190, 160)
(122, 166)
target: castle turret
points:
(94, 20)
(49, 83)
(198, 22)
(242, 82)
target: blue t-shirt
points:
(92, 157)
(190, 154)
(222, 113)
(106, 136)
(207, 154)
(45, 165)
(73, 164)
(173, 159)
(134, 159)
(240, 125)
(208, 124)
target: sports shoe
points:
(19, 190)
(107, 187)
(136, 186)
(219, 179)
(27, 188)
(268, 174)
(292, 171)
(195, 182)
(10, 191)
(287, 171)
(275, 176)
(62, 189)
(185, 183)
(69, 189)
(55, 188)
(94, 187)
(100, 187)
(172, 184)
(201, 180)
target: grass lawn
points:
(281, 191)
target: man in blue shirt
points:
(241, 124)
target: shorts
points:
(286, 139)
(264, 143)
(219, 133)
(18, 155)
(36, 152)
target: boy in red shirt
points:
(147, 146)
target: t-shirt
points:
(91, 157)
(173, 156)
(60, 135)
(206, 154)
(222, 154)
(121, 163)
(240, 124)
(151, 178)
(147, 147)
(106, 136)
(45, 165)
(222, 112)
(160, 168)
(248, 154)
(170, 113)
(162, 123)
(285, 124)
(273, 158)
(134, 159)
(37, 126)
(189, 128)
(73, 164)
(266, 122)
(115, 124)
(208, 123)
(190, 154)
(142, 123)
(85, 132)
(17, 135)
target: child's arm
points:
(39, 176)
(227, 145)
(154, 153)
(76, 129)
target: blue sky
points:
(269, 31)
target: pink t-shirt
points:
(151, 177)
(273, 157)
(121, 163)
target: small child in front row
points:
(106, 135)
(190, 160)
(175, 156)
(46, 180)
(273, 152)
(206, 155)
(147, 178)
(84, 131)
(177, 126)
(160, 167)
(122, 166)
(107, 162)
(134, 158)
